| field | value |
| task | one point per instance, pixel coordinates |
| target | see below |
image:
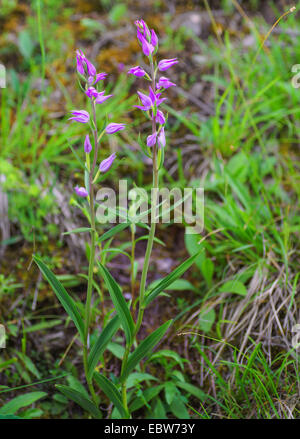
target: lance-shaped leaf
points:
(80, 230)
(119, 303)
(80, 399)
(146, 397)
(101, 343)
(113, 231)
(10, 417)
(21, 401)
(193, 390)
(62, 295)
(168, 280)
(111, 392)
(144, 348)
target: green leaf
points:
(238, 166)
(62, 295)
(26, 44)
(47, 380)
(234, 286)
(111, 392)
(10, 417)
(117, 251)
(32, 413)
(168, 280)
(181, 285)
(80, 230)
(166, 353)
(21, 401)
(192, 243)
(29, 364)
(204, 264)
(177, 285)
(101, 343)
(137, 377)
(146, 237)
(80, 399)
(207, 268)
(87, 180)
(75, 384)
(159, 411)
(193, 390)
(178, 409)
(144, 348)
(117, 12)
(116, 349)
(147, 395)
(206, 319)
(42, 325)
(240, 190)
(170, 391)
(119, 303)
(112, 232)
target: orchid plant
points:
(125, 317)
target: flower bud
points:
(165, 64)
(106, 164)
(114, 127)
(81, 191)
(87, 145)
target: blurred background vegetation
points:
(232, 128)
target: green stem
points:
(124, 390)
(90, 281)
(132, 279)
(153, 220)
(91, 260)
(148, 251)
(89, 297)
(143, 280)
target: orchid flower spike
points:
(84, 66)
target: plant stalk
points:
(91, 259)
(141, 308)
(153, 220)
